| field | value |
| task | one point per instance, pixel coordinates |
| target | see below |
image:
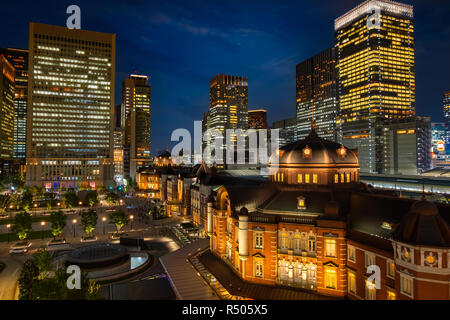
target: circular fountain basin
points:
(98, 255)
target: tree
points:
(70, 199)
(112, 198)
(35, 282)
(92, 198)
(119, 219)
(89, 221)
(5, 201)
(43, 261)
(131, 185)
(27, 278)
(49, 199)
(22, 225)
(58, 221)
(27, 200)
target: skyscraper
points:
(228, 107)
(316, 87)
(287, 129)
(257, 119)
(70, 108)
(446, 106)
(19, 60)
(6, 109)
(375, 64)
(136, 95)
(406, 145)
(438, 134)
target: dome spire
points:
(313, 134)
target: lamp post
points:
(131, 219)
(35, 209)
(74, 222)
(7, 227)
(42, 230)
(103, 220)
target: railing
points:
(308, 220)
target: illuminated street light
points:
(74, 222)
(7, 227)
(42, 230)
(103, 220)
(58, 204)
(131, 219)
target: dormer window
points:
(342, 152)
(386, 225)
(307, 152)
(301, 203)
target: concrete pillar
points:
(243, 237)
(209, 223)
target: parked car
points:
(20, 247)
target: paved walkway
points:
(186, 282)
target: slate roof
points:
(236, 286)
(323, 152)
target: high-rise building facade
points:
(257, 119)
(316, 92)
(446, 106)
(135, 114)
(407, 145)
(19, 60)
(228, 102)
(70, 108)
(118, 155)
(438, 134)
(228, 107)
(286, 129)
(7, 75)
(376, 77)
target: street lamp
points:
(80, 203)
(7, 227)
(131, 219)
(74, 222)
(103, 220)
(42, 230)
(58, 204)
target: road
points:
(9, 289)
(154, 236)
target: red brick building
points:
(313, 226)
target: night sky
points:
(183, 44)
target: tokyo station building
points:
(314, 227)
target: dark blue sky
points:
(183, 44)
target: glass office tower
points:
(70, 108)
(376, 77)
(316, 87)
(19, 60)
(228, 107)
(6, 109)
(446, 107)
(136, 97)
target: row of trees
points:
(38, 280)
(22, 225)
